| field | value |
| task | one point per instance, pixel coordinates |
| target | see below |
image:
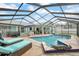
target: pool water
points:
(51, 39)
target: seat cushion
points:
(5, 50)
(61, 47)
(10, 41)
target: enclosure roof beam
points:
(12, 15)
(35, 4)
(75, 22)
(11, 24)
(69, 13)
(67, 17)
(9, 19)
(60, 4)
(7, 9)
(16, 12)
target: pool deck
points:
(37, 49)
(40, 35)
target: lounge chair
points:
(53, 50)
(9, 42)
(16, 49)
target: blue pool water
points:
(51, 39)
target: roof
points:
(38, 14)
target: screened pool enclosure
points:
(37, 18)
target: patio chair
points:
(16, 49)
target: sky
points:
(39, 1)
(41, 12)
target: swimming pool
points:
(51, 39)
